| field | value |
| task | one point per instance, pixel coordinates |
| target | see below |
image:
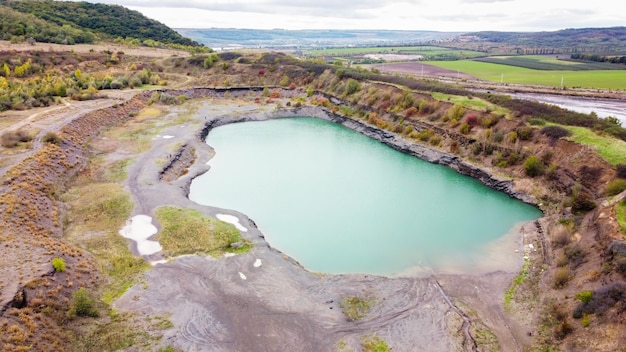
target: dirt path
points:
(52, 119)
(231, 304)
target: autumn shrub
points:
(472, 120)
(561, 277)
(11, 139)
(52, 138)
(465, 128)
(533, 166)
(615, 187)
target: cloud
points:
(326, 8)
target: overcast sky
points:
(437, 15)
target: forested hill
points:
(73, 22)
(578, 39)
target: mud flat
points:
(264, 300)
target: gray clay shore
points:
(265, 301)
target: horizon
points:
(409, 15)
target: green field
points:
(426, 50)
(542, 62)
(602, 79)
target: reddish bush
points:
(472, 120)
(275, 94)
(292, 86)
(261, 72)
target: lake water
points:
(340, 202)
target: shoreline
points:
(222, 297)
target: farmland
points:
(536, 62)
(598, 79)
(429, 52)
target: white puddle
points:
(233, 220)
(139, 228)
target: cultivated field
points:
(597, 79)
(430, 52)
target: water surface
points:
(340, 202)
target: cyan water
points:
(340, 202)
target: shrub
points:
(525, 133)
(562, 277)
(582, 203)
(575, 256)
(555, 132)
(615, 187)
(58, 264)
(83, 305)
(584, 296)
(11, 139)
(472, 120)
(563, 330)
(533, 166)
(603, 299)
(536, 122)
(52, 138)
(465, 128)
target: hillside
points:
(75, 21)
(571, 40)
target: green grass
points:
(606, 79)
(548, 63)
(609, 148)
(187, 231)
(471, 103)
(374, 344)
(620, 210)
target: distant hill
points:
(603, 40)
(75, 21)
(313, 38)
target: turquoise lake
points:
(340, 202)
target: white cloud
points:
(438, 15)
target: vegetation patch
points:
(510, 292)
(187, 231)
(610, 149)
(355, 307)
(99, 211)
(373, 343)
